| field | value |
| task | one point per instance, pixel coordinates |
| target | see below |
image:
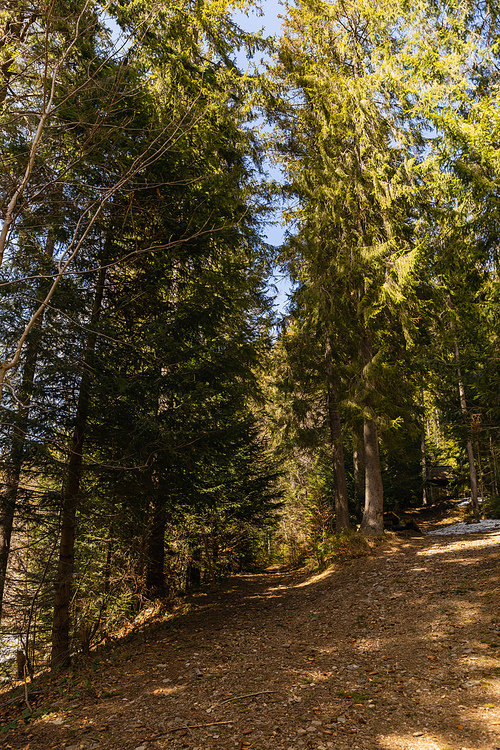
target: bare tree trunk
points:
(14, 461)
(495, 470)
(358, 459)
(424, 464)
(12, 34)
(340, 485)
(60, 654)
(372, 523)
(155, 563)
(107, 566)
(373, 520)
(480, 471)
(470, 450)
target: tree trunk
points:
(424, 465)
(495, 470)
(14, 461)
(12, 35)
(480, 471)
(107, 566)
(60, 654)
(470, 450)
(358, 460)
(340, 485)
(373, 520)
(155, 562)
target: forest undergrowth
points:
(396, 650)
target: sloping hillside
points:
(399, 650)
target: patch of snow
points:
(463, 502)
(489, 524)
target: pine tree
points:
(346, 164)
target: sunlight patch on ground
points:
(308, 678)
(265, 597)
(488, 687)
(367, 644)
(481, 714)
(52, 718)
(451, 561)
(314, 579)
(492, 540)
(402, 741)
(278, 589)
(165, 691)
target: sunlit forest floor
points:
(399, 650)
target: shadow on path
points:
(399, 650)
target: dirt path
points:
(396, 651)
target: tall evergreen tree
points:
(346, 164)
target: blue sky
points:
(270, 24)
(268, 21)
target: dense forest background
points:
(160, 424)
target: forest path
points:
(396, 651)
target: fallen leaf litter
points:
(372, 686)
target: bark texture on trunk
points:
(13, 463)
(8, 501)
(60, 653)
(424, 466)
(155, 563)
(473, 480)
(358, 461)
(495, 468)
(340, 485)
(470, 450)
(372, 523)
(373, 520)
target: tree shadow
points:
(398, 650)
